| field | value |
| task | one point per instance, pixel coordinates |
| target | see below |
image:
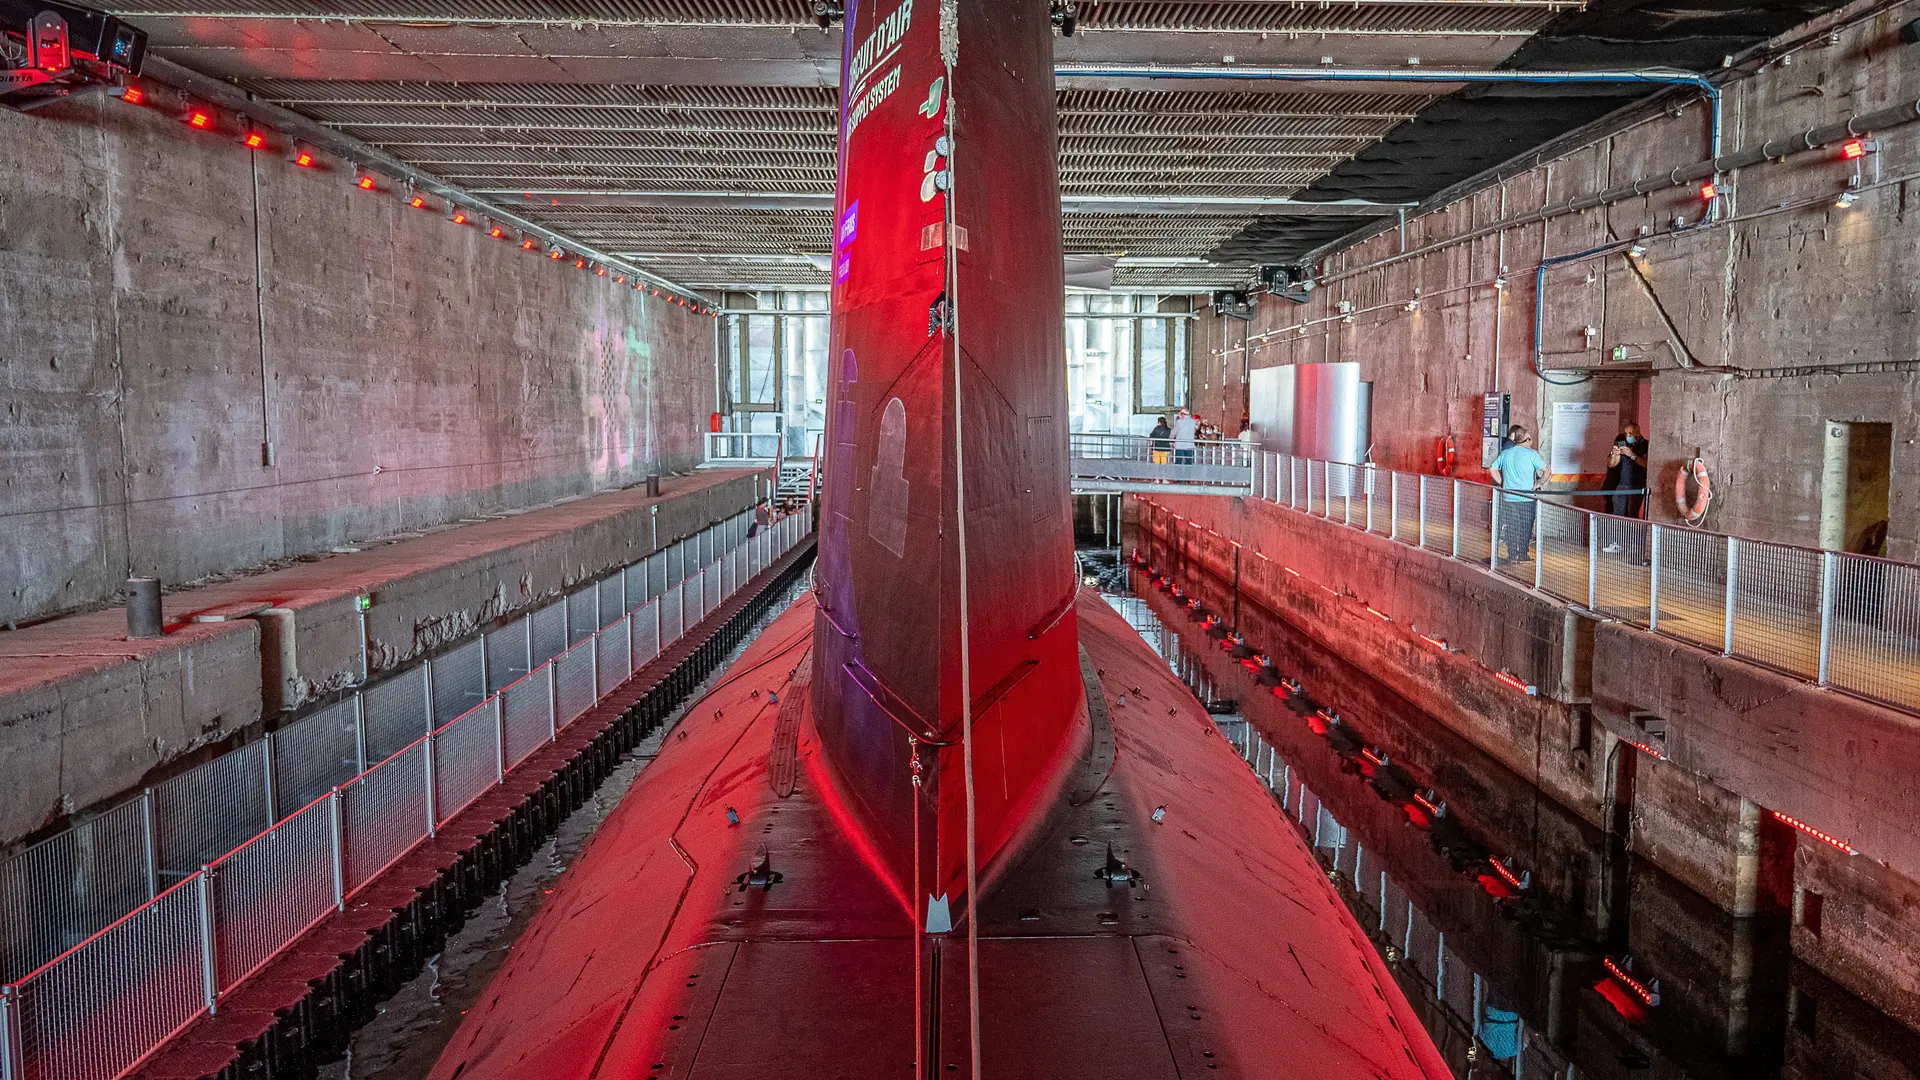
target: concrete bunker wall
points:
(176, 311)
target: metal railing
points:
(743, 445)
(1846, 621)
(222, 907)
(1132, 461)
(1381, 903)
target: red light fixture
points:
(620, 279)
(579, 264)
(497, 233)
(1824, 838)
(1506, 874)
(527, 244)
(364, 181)
(459, 217)
(1708, 192)
(305, 159)
(1502, 676)
(1646, 996)
(1853, 149)
(254, 140)
(200, 119)
(600, 271)
(133, 95)
(555, 254)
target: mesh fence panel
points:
(616, 658)
(1404, 497)
(458, 682)
(583, 615)
(1423, 947)
(1317, 488)
(1456, 986)
(1518, 520)
(201, 815)
(612, 594)
(108, 1002)
(573, 674)
(310, 756)
(646, 634)
(395, 712)
(1563, 552)
(507, 654)
(677, 563)
(693, 595)
(465, 760)
(386, 813)
(65, 888)
(1476, 522)
(1622, 577)
(712, 590)
(1875, 646)
(1438, 513)
(1693, 586)
(1395, 914)
(672, 615)
(527, 704)
(656, 574)
(633, 584)
(549, 632)
(1776, 607)
(271, 891)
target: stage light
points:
(305, 159)
(200, 119)
(254, 140)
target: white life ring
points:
(1693, 510)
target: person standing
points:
(1160, 440)
(1627, 474)
(1519, 468)
(1185, 428)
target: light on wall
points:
(1845, 201)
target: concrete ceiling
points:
(698, 136)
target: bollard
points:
(143, 608)
(653, 485)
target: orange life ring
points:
(1694, 510)
(1443, 456)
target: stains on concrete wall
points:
(172, 305)
(1743, 338)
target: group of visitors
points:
(1174, 440)
(1520, 468)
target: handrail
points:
(1836, 619)
(227, 920)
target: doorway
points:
(1856, 470)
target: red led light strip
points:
(1815, 833)
(1435, 642)
(1631, 983)
(1432, 808)
(1373, 755)
(1378, 614)
(1506, 875)
(1513, 682)
(1645, 749)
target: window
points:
(1126, 360)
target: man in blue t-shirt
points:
(1518, 468)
